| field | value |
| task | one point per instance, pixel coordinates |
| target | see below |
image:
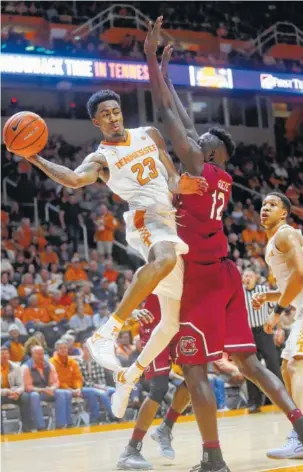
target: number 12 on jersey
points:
(217, 206)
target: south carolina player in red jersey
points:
(213, 314)
(158, 375)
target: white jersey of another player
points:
(281, 271)
(136, 172)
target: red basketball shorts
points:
(161, 364)
(213, 315)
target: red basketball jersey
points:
(200, 218)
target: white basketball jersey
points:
(276, 261)
(136, 173)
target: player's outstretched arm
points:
(87, 173)
(185, 148)
(288, 242)
(187, 122)
(186, 184)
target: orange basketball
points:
(25, 133)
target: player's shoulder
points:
(154, 134)
(286, 237)
(217, 173)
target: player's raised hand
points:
(143, 316)
(167, 52)
(153, 36)
(258, 300)
(189, 184)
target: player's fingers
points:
(149, 28)
(169, 53)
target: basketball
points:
(25, 133)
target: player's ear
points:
(95, 122)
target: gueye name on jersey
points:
(224, 185)
(141, 152)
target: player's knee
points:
(195, 375)
(158, 388)
(165, 264)
(169, 329)
(295, 366)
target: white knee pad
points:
(172, 285)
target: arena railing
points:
(55, 209)
(7, 181)
(109, 15)
(277, 33)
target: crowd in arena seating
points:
(53, 298)
(231, 22)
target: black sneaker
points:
(202, 467)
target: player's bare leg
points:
(273, 388)
(162, 260)
(160, 338)
(205, 409)
(131, 456)
(292, 372)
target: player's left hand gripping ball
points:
(189, 184)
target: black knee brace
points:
(158, 388)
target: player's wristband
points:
(278, 309)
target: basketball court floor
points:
(244, 439)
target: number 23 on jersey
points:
(145, 171)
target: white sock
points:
(160, 338)
(112, 327)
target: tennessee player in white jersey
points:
(136, 166)
(284, 255)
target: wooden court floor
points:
(244, 439)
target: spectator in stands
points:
(65, 254)
(34, 316)
(57, 311)
(70, 338)
(106, 225)
(8, 290)
(70, 378)
(7, 319)
(110, 273)
(71, 219)
(27, 286)
(94, 275)
(75, 273)
(48, 256)
(103, 293)
(125, 348)
(12, 389)
(101, 316)
(94, 376)
(41, 382)
(56, 276)
(18, 309)
(14, 344)
(29, 344)
(80, 322)
(43, 296)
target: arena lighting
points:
(122, 71)
(14, 100)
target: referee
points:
(266, 348)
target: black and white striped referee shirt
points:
(256, 318)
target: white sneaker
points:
(121, 396)
(101, 346)
(292, 449)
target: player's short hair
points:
(216, 137)
(285, 201)
(99, 97)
